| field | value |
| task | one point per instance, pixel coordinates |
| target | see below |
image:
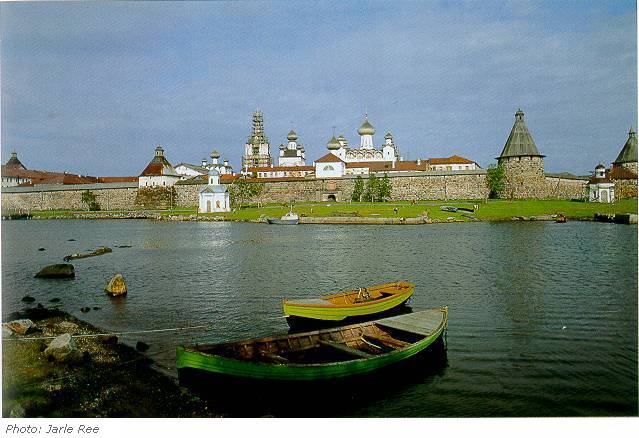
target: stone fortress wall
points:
(455, 185)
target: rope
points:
(34, 338)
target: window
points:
(329, 167)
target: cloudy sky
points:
(92, 88)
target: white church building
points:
(214, 197)
(600, 187)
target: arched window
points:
(329, 167)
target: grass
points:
(492, 210)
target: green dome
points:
(366, 128)
(333, 144)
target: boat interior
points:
(364, 294)
(338, 345)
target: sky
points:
(93, 88)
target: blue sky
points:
(92, 88)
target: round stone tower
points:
(523, 164)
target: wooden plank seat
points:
(346, 349)
(387, 342)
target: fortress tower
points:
(522, 162)
(257, 148)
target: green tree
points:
(242, 190)
(371, 193)
(358, 190)
(495, 180)
(384, 189)
(88, 198)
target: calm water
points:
(543, 316)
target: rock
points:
(62, 348)
(96, 308)
(97, 252)
(71, 240)
(116, 286)
(54, 300)
(41, 249)
(6, 332)
(142, 346)
(62, 270)
(85, 309)
(124, 246)
(27, 299)
(22, 326)
(68, 326)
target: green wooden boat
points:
(319, 355)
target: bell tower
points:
(257, 148)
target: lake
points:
(542, 316)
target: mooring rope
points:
(34, 338)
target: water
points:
(543, 316)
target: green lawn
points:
(491, 210)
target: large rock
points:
(6, 332)
(62, 270)
(68, 326)
(22, 326)
(116, 286)
(62, 348)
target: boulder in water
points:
(61, 270)
(61, 348)
(22, 326)
(80, 255)
(116, 286)
(27, 299)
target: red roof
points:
(376, 166)
(281, 168)
(455, 159)
(329, 158)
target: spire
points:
(628, 153)
(520, 142)
(14, 161)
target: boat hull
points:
(329, 312)
(274, 221)
(220, 366)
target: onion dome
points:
(366, 128)
(600, 166)
(333, 144)
(292, 136)
(215, 154)
(282, 147)
(388, 135)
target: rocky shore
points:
(51, 371)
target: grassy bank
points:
(112, 380)
(493, 210)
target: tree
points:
(384, 189)
(371, 188)
(495, 180)
(358, 190)
(242, 190)
(88, 198)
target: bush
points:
(88, 198)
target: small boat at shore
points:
(289, 218)
(362, 302)
(318, 355)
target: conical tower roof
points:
(628, 153)
(14, 162)
(520, 143)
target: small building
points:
(159, 172)
(329, 166)
(214, 197)
(452, 163)
(600, 187)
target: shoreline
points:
(110, 379)
(626, 218)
